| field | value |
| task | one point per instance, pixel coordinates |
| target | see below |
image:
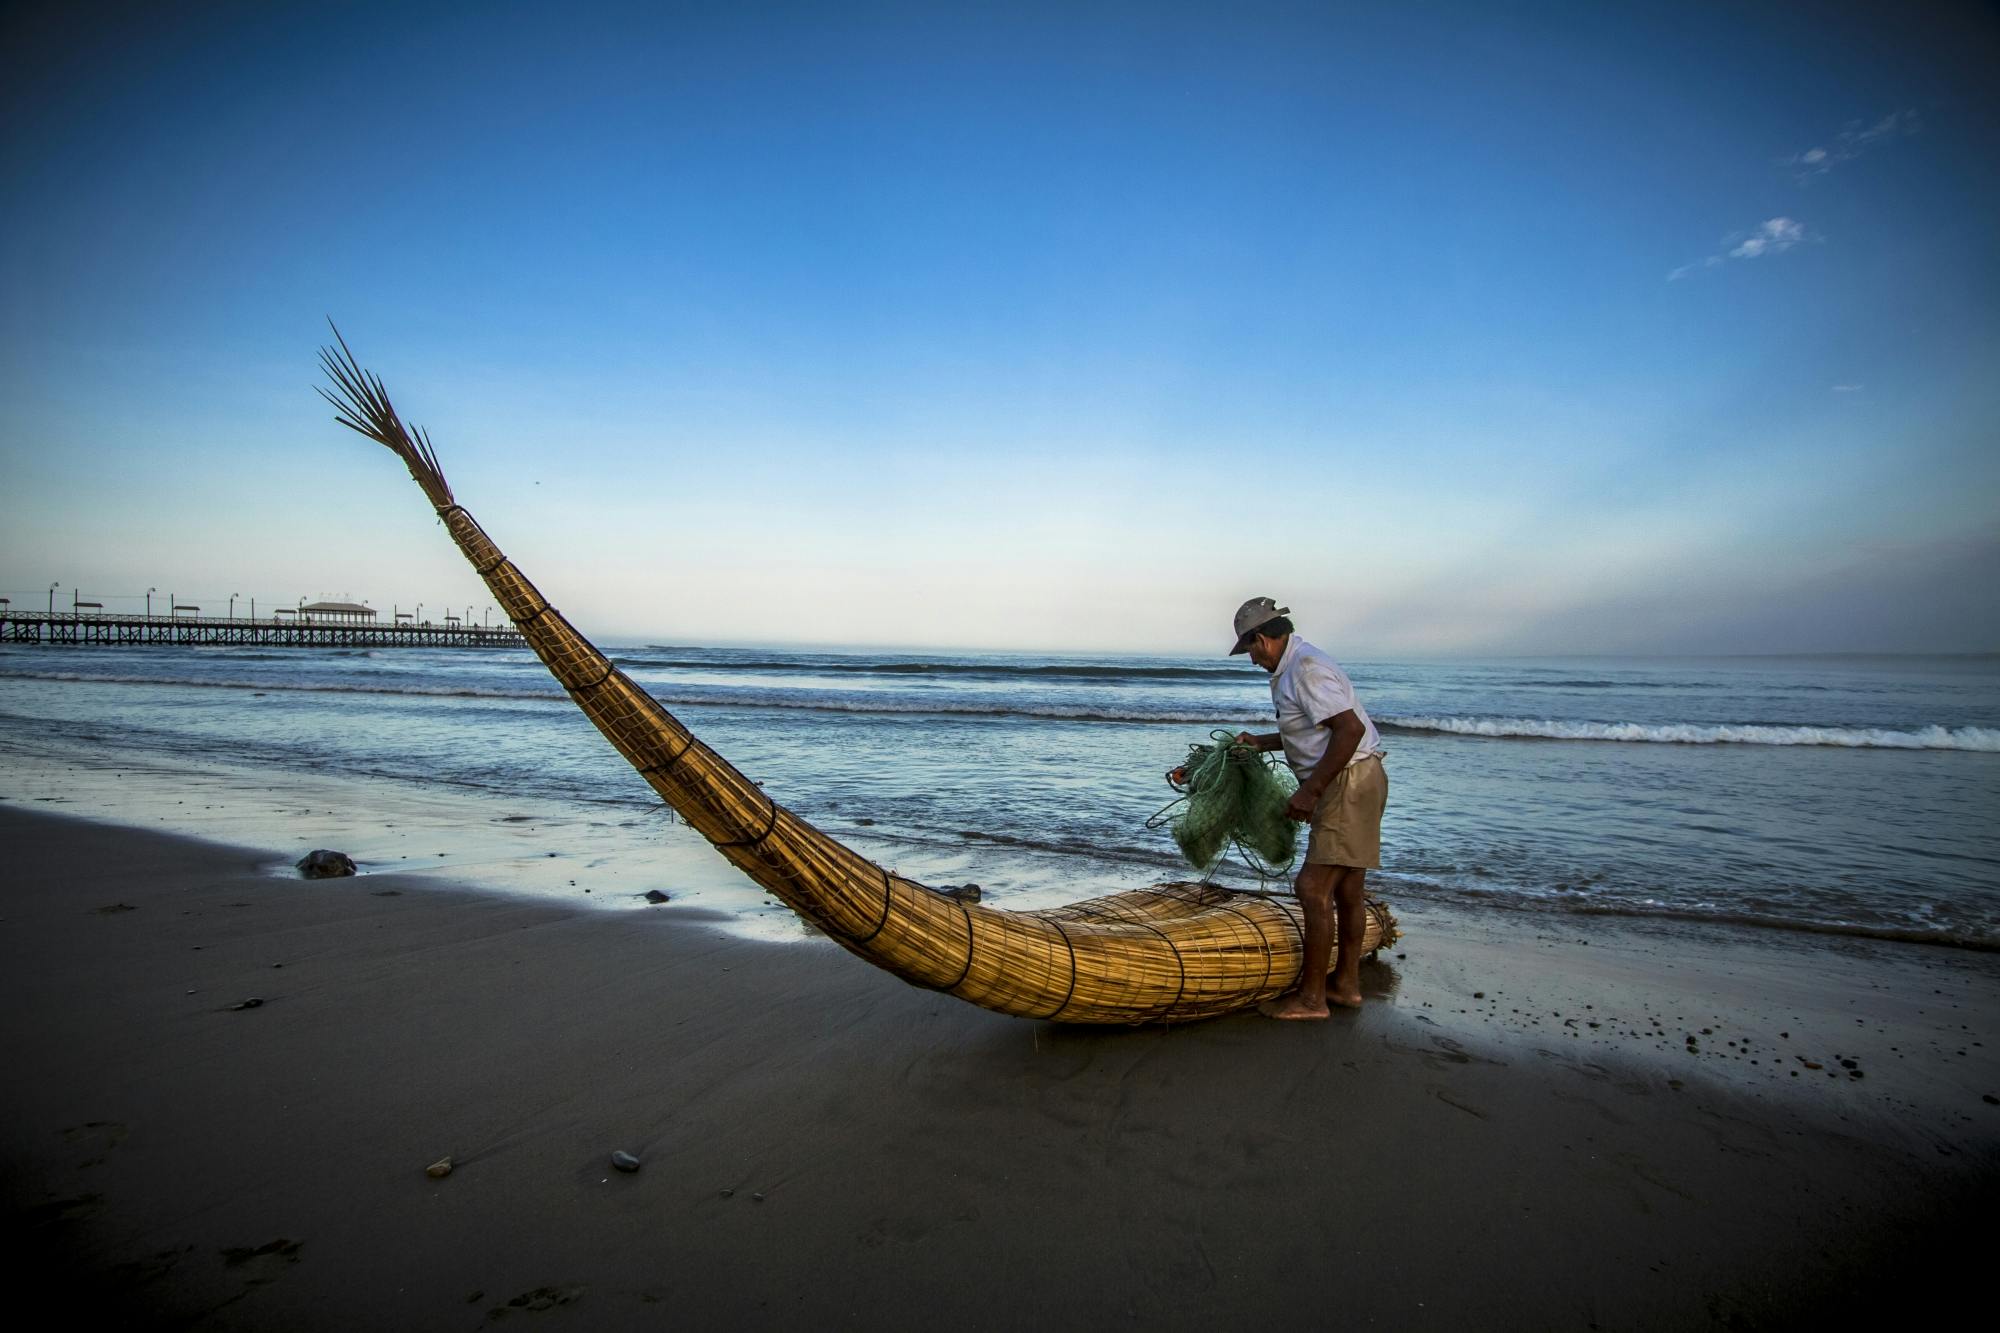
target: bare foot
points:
(1292, 1007)
(1346, 999)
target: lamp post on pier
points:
(149, 602)
(489, 617)
(232, 604)
(52, 599)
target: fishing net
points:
(1235, 796)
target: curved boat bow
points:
(1170, 953)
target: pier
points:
(289, 631)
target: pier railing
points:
(73, 627)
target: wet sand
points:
(1517, 1132)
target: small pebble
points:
(251, 1003)
(1991, 1100)
(439, 1169)
(756, 1198)
(655, 896)
(624, 1161)
(1477, 995)
(731, 1193)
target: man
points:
(1336, 752)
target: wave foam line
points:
(284, 687)
(1982, 739)
(1001, 670)
(1978, 739)
(671, 698)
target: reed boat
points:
(1167, 953)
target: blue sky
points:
(1460, 328)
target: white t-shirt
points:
(1307, 689)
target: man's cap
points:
(1252, 616)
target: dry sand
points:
(1514, 1133)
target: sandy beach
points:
(1637, 1127)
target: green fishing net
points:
(1235, 795)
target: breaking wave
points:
(1982, 739)
(994, 670)
(1935, 737)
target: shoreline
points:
(1464, 1150)
(628, 842)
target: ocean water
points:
(1836, 794)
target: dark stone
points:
(323, 864)
(655, 896)
(252, 1003)
(964, 893)
(624, 1161)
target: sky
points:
(1459, 329)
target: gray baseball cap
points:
(1252, 616)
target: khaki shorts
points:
(1347, 822)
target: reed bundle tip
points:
(361, 404)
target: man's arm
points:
(1347, 733)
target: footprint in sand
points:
(99, 1135)
(538, 1300)
(261, 1264)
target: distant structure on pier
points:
(339, 613)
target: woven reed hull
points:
(1172, 953)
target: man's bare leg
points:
(1351, 906)
(1315, 888)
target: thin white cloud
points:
(1777, 235)
(1852, 142)
(1773, 236)
(1847, 388)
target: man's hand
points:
(1250, 739)
(1302, 804)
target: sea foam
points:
(1984, 739)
